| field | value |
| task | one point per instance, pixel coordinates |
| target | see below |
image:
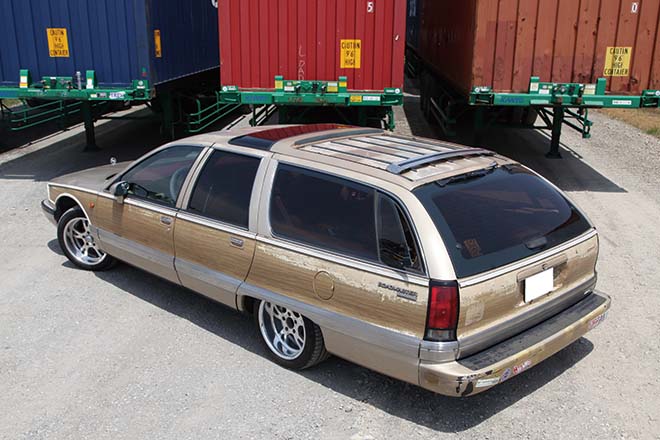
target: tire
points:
(290, 353)
(78, 244)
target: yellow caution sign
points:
(351, 53)
(617, 61)
(58, 43)
(157, 46)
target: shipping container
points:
(121, 41)
(517, 62)
(501, 44)
(323, 52)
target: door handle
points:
(166, 220)
(236, 242)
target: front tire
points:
(290, 339)
(78, 244)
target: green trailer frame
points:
(555, 104)
(59, 97)
(303, 93)
(559, 104)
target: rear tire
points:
(290, 339)
(78, 244)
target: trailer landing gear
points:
(88, 118)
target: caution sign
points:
(58, 43)
(617, 61)
(351, 51)
(157, 47)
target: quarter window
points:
(224, 188)
(324, 211)
(396, 242)
(159, 177)
(342, 216)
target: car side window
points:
(159, 177)
(396, 241)
(324, 211)
(224, 188)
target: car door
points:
(214, 238)
(139, 227)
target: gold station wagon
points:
(448, 267)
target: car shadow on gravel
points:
(571, 173)
(366, 387)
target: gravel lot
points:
(123, 354)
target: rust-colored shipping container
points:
(503, 43)
(315, 40)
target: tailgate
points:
(493, 306)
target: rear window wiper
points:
(467, 176)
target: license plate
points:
(539, 285)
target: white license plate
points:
(539, 285)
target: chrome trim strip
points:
(480, 278)
(438, 351)
(214, 224)
(347, 261)
(77, 188)
(150, 206)
(137, 249)
(206, 275)
(369, 333)
(513, 326)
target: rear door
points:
(521, 251)
(214, 236)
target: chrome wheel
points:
(80, 243)
(282, 329)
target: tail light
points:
(442, 317)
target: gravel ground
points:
(123, 354)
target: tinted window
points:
(396, 243)
(159, 177)
(224, 188)
(495, 218)
(324, 211)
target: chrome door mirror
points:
(120, 191)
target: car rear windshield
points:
(494, 217)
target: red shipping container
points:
(503, 43)
(363, 40)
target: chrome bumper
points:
(49, 211)
(483, 370)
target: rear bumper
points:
(49, 211)
(483, 370)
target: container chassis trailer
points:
(545, 106)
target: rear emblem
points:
(401, 293)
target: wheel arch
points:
(66, 201)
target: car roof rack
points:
(416, 162)
(338, 134)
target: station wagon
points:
(448, 267)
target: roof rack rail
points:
(338, 134)
(416, 162)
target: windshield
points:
(494, 218)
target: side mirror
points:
(120, 190)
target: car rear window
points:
(495, 217)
